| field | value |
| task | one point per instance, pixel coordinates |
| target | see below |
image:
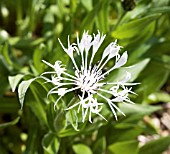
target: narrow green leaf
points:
(51, 114)
(164, 9)
(160, 96)
(81, 149)
(37, 57)
(22, 89)
(61, 7)
(155, 146)
(25, 43)
(74, 5)
(71, 116)
(88, 21)
(127, 147)
(136, 112)
(130, 109)
(36, 101)
(50, 143)
(100, 145)
(33, 137)
(124, 132)
(87, 4)
(5, 53)
(60, 121)
(152, 79)
(68, 132)
(133, 28)
(139, 40)
(5, 59)
(102, 20)
(135, 70)
(14, 80)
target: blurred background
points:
(29, 32)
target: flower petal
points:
(122, 60)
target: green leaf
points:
(22, 89)
(25, 43)
(36, 101)
(87, 4)
(34, 136)
(127, 147)
(81, 149)
(15, 121)
(5, 59)
(102, 20)
(68, 132)
(60, 121)
(4, 66)
(37, 57)
(51, 114)
(100, 145)
(152, 79)
(14, 80)
(134, 109)
(73, 5)
(133, 28)
(88, 21)
(139, 40)
(51, 143)
(136, 112)
(155, 146)
(61, 6)
(5, 53)
(124, 132)
(135, 70)
(149, 127)
(164, 9)
(71, 116)
(158, 97)
(138, 53)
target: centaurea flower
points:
(89, 78)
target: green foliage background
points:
(28, 33)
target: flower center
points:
(88, 80)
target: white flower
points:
(88, 77)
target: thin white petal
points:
(122, 60)
(117, 108)
(74, 105)
(48, 63)
(48, 73)
(113, 111)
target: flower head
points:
(88, 77)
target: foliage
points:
(29, 32)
